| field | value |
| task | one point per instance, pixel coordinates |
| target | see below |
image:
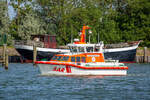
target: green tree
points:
(31, 25)
(68, 17)
(26, 23)
(4, 22)
(111, 20)
(134, 22)
(4, 19)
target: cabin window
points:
(83, 59)
(54, 58)
(77, 59)
(72, 59)
(70, 49)
(74, 49)
(96, 49)
(65, 58)
(89, 49)
(59, 57)
(81, 49)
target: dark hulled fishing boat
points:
(124, 52)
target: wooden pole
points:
(4, 55)
(145, 54)
(6, 60)
(34, 54)
(148, 59)
(137, 59)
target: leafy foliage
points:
(30, 25)
(4, 23)
(112, 21)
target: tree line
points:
(111, 21)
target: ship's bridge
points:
(86, 48)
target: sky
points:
(11, 11)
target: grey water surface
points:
(24, 82)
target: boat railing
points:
(121, 45)
(29, 43)
(109, 60)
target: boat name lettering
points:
(58, 69)
(93, 55)
(67, 69)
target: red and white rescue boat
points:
(84, 59)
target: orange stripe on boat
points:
(82, 67)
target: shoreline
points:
(139, 54)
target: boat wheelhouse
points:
(85, 53)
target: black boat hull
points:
(123, 56)
(28, 54)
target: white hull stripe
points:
(120, 49)
(67, 51)
(82, 67)
(41, 49)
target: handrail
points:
(29, 43)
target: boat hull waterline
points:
(47, 68)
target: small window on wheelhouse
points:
(77, 59)
(72, 59)
(54, 58)
(81, 49)
(89, 49)
(74, 49)
(71, 49)
(65, 58)
(59, 57)
(83, 59)
(97, 49)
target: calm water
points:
(23, 82)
